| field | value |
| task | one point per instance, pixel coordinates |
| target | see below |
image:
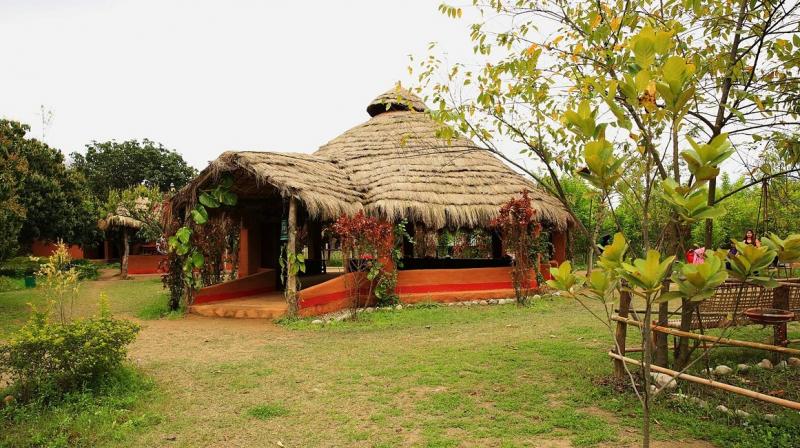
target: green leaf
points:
(208, 200)
(183, 234)
(199, 214)
(197, 259)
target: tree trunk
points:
(682, 352)
(123, 265)
(291, 243)
(621, 333)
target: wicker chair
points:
(722, 309)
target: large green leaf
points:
(208, 200)
(646, 274)
(788, 249)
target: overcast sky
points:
(203, 77)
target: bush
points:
(44, 360)
(10, 284)
(19, 267)
(87, 270)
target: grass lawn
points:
(491, 376)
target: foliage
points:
(474, 243)
(142, 203)
(291, 263)
(20, 266)
(46, 359)
(53, 201)
(519, 229)
(371, 253)
(96, 415)
(60, 281)
(697, 282)
(12, 215)
(116, 165)
(218, 241)
(185, 244)
(620, 94)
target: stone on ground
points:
(765, 364)
(722, 370)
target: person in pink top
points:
(699, 255)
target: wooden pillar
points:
(123, 264)
(780, 300)
(244, 249)
(559, 240)
(291, 243)
(621, 333)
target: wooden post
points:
(291, 243)
(123, 264)
(780, 300)
(621, 333)
(661, 339)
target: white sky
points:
(203, 77)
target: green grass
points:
(267, 411)
(103, 415)
(142, 297)
(431, 376)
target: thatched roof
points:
(322, 187)
(405, 171)
(397, 99)
(121, 218)
(392, 166)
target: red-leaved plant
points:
(518, 231)
(367, 244)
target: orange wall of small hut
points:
(45, 249)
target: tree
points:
(645, 100)
(136, 207)
(116, 165)
(53, 199)
(12, 214)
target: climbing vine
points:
(186, 255)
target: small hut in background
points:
(123, 221)
(392, 166)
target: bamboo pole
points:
(706, 338)
(716, 384)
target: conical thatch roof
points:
(392, 166)
(404, 171)
(397, 99)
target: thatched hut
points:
(393, 166)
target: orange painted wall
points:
(251, 285)
(45, 249)
(145, 264)
(419, 285)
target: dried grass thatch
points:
(121, 218)
(324, 190)
(405, 171)
(393, 166)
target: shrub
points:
(10, 284)
(86, 269)
(19, 267)
(45, 359)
